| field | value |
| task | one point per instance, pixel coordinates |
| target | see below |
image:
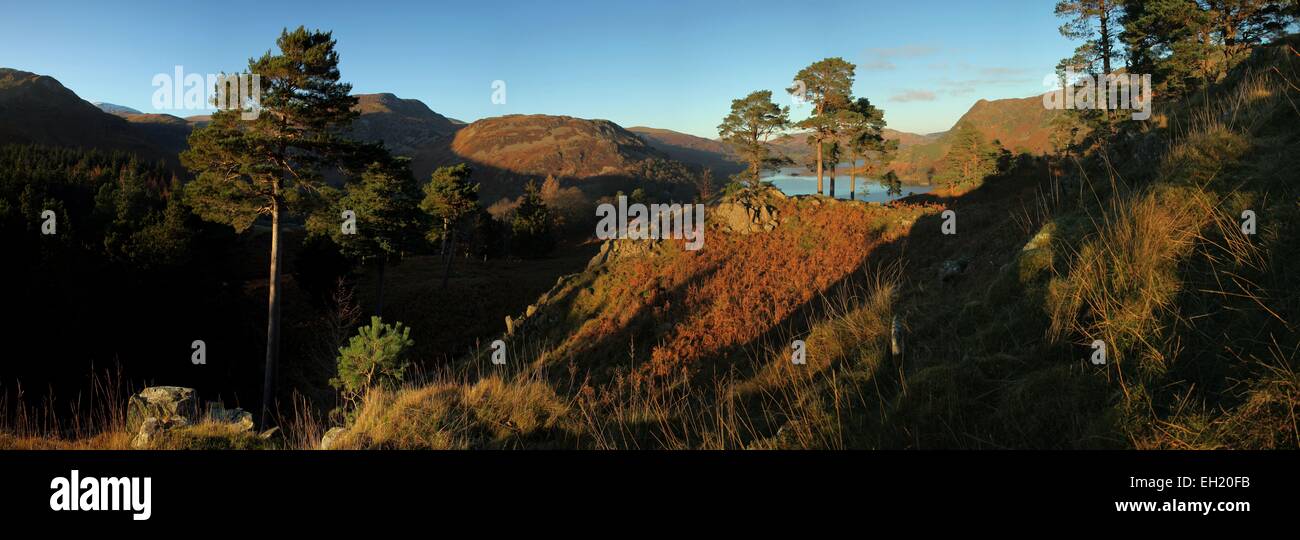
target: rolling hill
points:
(37, 109)
(1020, 124)
(405, 126)
(505, 151)
(168, 133)
(698, 151)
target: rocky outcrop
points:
(619, 249)
(749, 212)
(239, 417)
(332, 436)
(157, 410)
(169, 405)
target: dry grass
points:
(96, 422)
(445, 415)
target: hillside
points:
(997, 329)
(405, 126)
(685, 148)
(508, 150)
(1020, 124)
(167, 132)
(37, 109)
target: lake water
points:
(798, 181)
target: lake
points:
(798, 181)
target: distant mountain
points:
(693, 150)
(507, 150)
(115, 109)
(906, 139)
(1019, 124)
(405, 126)
(170, 133)
(37, 109)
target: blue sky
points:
(667, 63)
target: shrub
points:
(377, 356)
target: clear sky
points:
(662, 63)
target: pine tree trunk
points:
(832, 182)
(446, 269)
(819, 167)
(853, 180)
(1104, 26)
(379, 294)
(442, 250)
(272, 312)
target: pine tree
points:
(704, 184)
(271, 166)
(863, 131)
(1096, 23)
(828, 85)
(377, 357)
(385, 201)
(752, 120)
(970, 159)
(449, 198)
(533, 226)
(1187, 44)
(892, 184)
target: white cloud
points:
(912, 95)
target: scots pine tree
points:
(271, 167)
(828, 85)
(389, 223)
(450, 199)
(753, 119)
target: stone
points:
(168, 404)
(530, 311)
(1041, 239)
(746, 216)
(273, 433)
(951, 268)
(327, 441)
(148, 431)
(242, 419)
